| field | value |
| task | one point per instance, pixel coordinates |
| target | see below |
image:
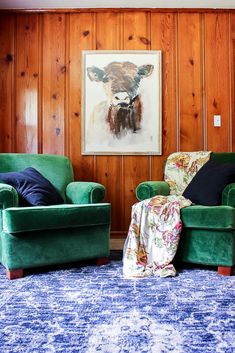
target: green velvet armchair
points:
(208, 234)
(37, 236)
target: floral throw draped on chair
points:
(155, 227)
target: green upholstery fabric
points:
(57, 169)
(84, 192)
(149, 189)
(208, 234)
(228, 195)
(38, 236)
(24, 219)
(49, 247)
(208, 247)
(8, 196)
(224, 157)
(208, 217)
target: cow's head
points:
(121, 81)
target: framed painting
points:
(121, 103)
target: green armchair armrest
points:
(83, 192)
(228, 195)
(149, 189)
(8, 196)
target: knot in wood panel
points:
(9, 58)
(63, 69)
(85, 33)
(191, 61)
(215, 104)
(98, 45)
(145, 40)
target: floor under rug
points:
(93, 309)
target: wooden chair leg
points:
(14, 274)
(225, 270)
(102, 261)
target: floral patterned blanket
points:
(155, 226)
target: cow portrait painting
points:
(121, 102)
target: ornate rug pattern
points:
(93, 309)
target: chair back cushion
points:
(57, 169)
(223, 157)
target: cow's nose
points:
(121, 98)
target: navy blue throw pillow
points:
(207, 185)
(32, 187)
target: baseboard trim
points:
(117, 239)
(116, 234)
(116, 244)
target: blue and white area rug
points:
(93, 309)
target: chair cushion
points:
(207, 185)
(32, 187)
(24, 219)
(208, 217)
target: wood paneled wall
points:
(40, 82)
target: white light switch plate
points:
(217, 120)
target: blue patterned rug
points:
(93, 309)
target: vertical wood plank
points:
(81, 38)
(109, 168)
(232, 53)
(232, 23)
(217, 79)
(27, 53)
(54, 71)
(163, 32)
(232, 125)
(190, 81)
(6, 82)
(136, 168)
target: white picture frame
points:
(121, 102)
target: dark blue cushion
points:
(207, 185)
(32, 187)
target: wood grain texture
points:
(217, 80)
(232, 55)
(190, 82)
(81, 38)
(136, 34)
(54, 72)
(27, 54)
(232, 126)
(7, 58)
(109, 168)
(163, 32)
(232, 23)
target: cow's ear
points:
(96, 74)
(145, 70)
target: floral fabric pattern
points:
(155, 227)
(181, 167)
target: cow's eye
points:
(126, 98)
(116, 97)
